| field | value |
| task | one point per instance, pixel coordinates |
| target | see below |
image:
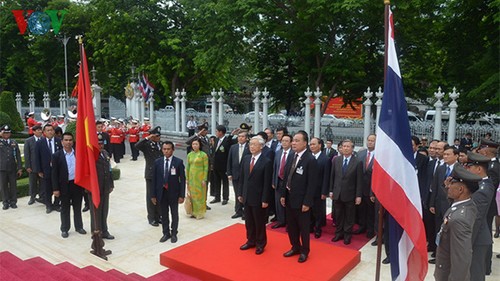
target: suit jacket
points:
(303, 182)
(233, 163)
(421, 168)
(152, 151)
(29, 152)
(273, 145)
(349, 186)
(481, 234)
(60, 172)
(43, 155)
(331, 153)
(176, 180)
(324, 168)
(255, 187)
(277, 163)
(367, 172)
(268, 153)
(221, 153)
(104, 175)
(454, 253)
(439, 196)
(428, 181)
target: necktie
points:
(50, 146)
(344, 167)
(282, 166)
(240, 153)
(218, 143)
(292, 170)
(165, 172)
(448, 172)
(252, 163)
(367, 160)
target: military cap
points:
(100, 138)
(31, 113)
(113, 118)
(477, 159)
(488, 143)
(471, 180)
(6, 129)
(155, 131)
(146, 119)
(134, 121)
(245, 127)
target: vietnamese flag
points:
(87, 150)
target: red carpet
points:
(328, 231)
(217, 257)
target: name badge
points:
(173, 172)
(299, 170)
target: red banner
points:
(335, 108)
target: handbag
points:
(188, 205)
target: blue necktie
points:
(448, 172)
(344, 167)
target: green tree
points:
(8, 106)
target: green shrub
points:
(8, 105)
(71, 128)
(5, 119)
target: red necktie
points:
(367, 160)
(282, 167)
(252, 163)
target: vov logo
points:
(39, 22)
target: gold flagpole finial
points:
(80, 39)
(387, 2)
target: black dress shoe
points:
(48, 210)
(278, 225)
(39, 200)
(173, 239)
(235, 216)
(259, 250)
(433, 255)
(497, 234)
(215, 201)
(13, 206)
(108, 236)
(154, 223)
(246, 246)
(31, 202)
(242, 217)
(302, 258)
(165, 238)
(347, 240)
(5, 207)
(224, 202)
(317, 234)
(208, 208)
(81, 231)
(291, 253)
(359, 230)
(374, 243)
(57, 208)
(85, 208)
(386, 261)
(432, 261)
(336, 238)
(64, 234)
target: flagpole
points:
(381, 210)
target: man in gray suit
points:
(454, 240)
(367, 206)
(29, 162)
(481, 234)
(236, 153)
(10, 168)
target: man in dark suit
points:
(367, 206)
(64, 187)
(466, 142)
(481, 234)
(44, 148)
(223, 144)
(169, 182)
(283, 158)
(318, 218)
(271, 142)
(106, 186)
(236, 154)
(329, 150)
(346, 190)
(421, 168)
(151, 148)
(297, 196)
(29, 163)
(280, 132)
(254, 193)
(439, 201)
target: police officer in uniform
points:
(454, 240)
(10, 168)
(151, 148)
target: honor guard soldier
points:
(10, 168)
(145, 128)
(133, 138)
(115, 134)
(151, 148)
(31, 122)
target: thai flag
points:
(394, 180)
(146, 88)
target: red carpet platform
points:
(357, 242)
(217, 257)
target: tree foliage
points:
(8, 106)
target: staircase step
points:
(50, 269)
(136, 276)
(21, 269)
(7, 275)
(120, 275)
(99, 273)
(78, 272)
(171, 274)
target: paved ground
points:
(29, 232)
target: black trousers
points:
(100, 213)
(255, 224)
(134, 151)
(47, 187)
(220, 176)
(169, 206)
(73, 197)
(279, 209)
(116, 151)
(8, 186)
(318, 214)
(35, 184)
(238, 206)
(153, 210)
(367, 214)
(298, 229)
(345, 213)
